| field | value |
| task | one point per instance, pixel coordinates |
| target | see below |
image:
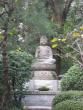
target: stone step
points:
(37, 108)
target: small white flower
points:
(20, 38)
(23, 40)
(20, 25)
(75, 29)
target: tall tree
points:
(7, 18)
(8, 9)
(60, 9)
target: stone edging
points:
(37, 108)
(42, 92)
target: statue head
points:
(43, 40)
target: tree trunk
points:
(6, 85)
(60, 9)
(9, 8)
(6, 81)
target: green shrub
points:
(19, 63)
(69, 105)
(65, 64)
(73, 79)
(69, 95)
(79, 84)
(43, 88)
(14, 108)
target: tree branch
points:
(66, 9)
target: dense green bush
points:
(19, 72)
(73, 79)
(66, 64)
(14, 108)
(69, 95)
(79, 84)
(19, 63)
(69, 105)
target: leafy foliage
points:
(69, 95)
(72, 80)
(39, 23)
(66, 63)
(74, 16)
(19, 72)
(69, 105)
(35, 21)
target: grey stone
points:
(38, 100)
(43, 64)
(43, 67)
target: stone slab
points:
(38, 100)
(42, 92)
(37, 108)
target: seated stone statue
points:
(43, 54)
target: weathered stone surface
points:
(43, 67)
(43, 75)
(43, 55)
(37, 108)
(38, 100)
(43, 64)
(53, 85)
(43, 51)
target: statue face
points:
(43, 40)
